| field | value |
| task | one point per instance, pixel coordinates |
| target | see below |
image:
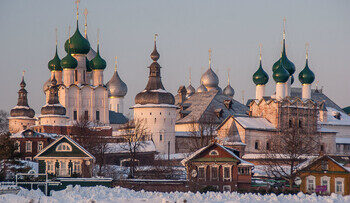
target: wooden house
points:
(325, 175)
(218, 166)
(65, 158)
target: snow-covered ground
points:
(121, 195)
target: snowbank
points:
(121, 195)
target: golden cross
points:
(260, 46)
(98, 36)
(69, 34)
(77, 2)
(23, 73)
(209, 58)
(115, 63)
(56, 35)
(228, 75)
(155, 37)
(190, 74)
(307, 50)
(85, 14)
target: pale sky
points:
(187, 29)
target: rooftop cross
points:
(307, 50)
(209, 58)
(284, 28)
(77, 2)
(115, 68)
(85, 25)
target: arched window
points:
(300, 124)
(256, 145)
(64, 147)
(160, 137)
(267, 145)
(213, 153)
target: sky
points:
(187, 29)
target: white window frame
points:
(214, 152)
(64, 147)
(29, 146)
(18, 145)
(342, 185)
(223, 172)
(308, 178)
(226, 188)
(50, 166)
(328, 179)
(211, 172)
(204, 174)
(40, 143)
(76, 167)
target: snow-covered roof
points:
(342, 140)
(144, 146)
(255, 123)
(21, 134)
(175, 156)
(308, 162)
(344, 119)
(277, 156)
(193, 155)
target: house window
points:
(227, 174)
(311, 181)
(40, 146)
(325, 181)
(243, 171)
(28, 158)
(160, 137)
(256, 145)
(97, 115)
(18, 146)
(63, 170)
(75, 115)
(28, 146)
(213, 153)
(201, 173)
(339, 185)
(214, 173)
(76, 167)
(64, 147)
(226, 188)
(50, 167)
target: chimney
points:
(182, 94)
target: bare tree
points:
(94, 142)
(134, 137)
(203, 131)
(4, 124)
(295, 141)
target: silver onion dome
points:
(229, 91)
(209, 79)
(91, 55)
(116, 87)
(190, 90)
(202, 88)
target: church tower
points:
(53, 113)
(155, 108)
(260, 78)
(306, 78)
(117, 90)
(21, 116)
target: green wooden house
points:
(65, 158)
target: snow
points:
(21, 107)
(331, 120)
(255, 123)
(123, 147)
(175, 156)
(122, 195)
(154, 106)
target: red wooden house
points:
(218, 166)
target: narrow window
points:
(86, 115)
(40, 146)
(28, 146)
(322, 148)
(97, 115)
(75, 115)
(256, 145)
(267, 146)
(214, 173)
(300, 124)
(160, 137)
(227, 173)
(290, 123)
(155, 120)
(75, 75)
(201, 173)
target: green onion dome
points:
(287, 64)
(98, 63)
(88, 65)
(260, 77)
(55, 63)
(281, 75)
(69, 62)
(306, 76)
(78, 44)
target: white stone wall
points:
(53, 120)
(97, 77)
(160, 123)
(19, 124)
(116, 104)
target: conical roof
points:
(229, 91)
(78, 44)
(22, 109)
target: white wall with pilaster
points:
(116, 104)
